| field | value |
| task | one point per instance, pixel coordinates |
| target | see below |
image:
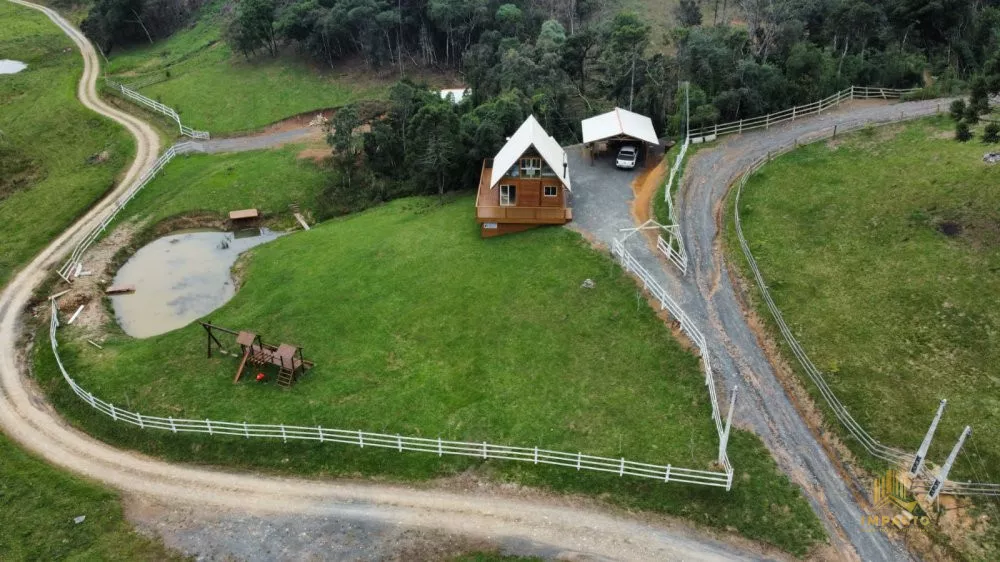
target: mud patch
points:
(317, 155)
(88, 290)
(949, 228)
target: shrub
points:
(962, 132)
(972, 115)
(992, 133)
(958, 109)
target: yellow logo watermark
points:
(888, 491)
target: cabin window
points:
(514, 171)
(548, 171)
(508, 195)
(531, 167)
(551, 190)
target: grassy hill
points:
(56, 157)
(419, 327)
(38, 504)
(214, 89)
(882, 252)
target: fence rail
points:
(650, 284)
(711, 132)
(679, 256)
(870, 444)
(67, 269)
(130, 94)
(440, 447)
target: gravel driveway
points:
(601, 201)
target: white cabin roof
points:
(530, 134)
(619, 122)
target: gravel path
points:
(518, 522)
(601, 209)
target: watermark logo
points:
(889, 492)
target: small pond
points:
(180, 278)
(8, 66)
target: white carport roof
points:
(619, 122)
(529, 134)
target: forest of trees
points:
(564, 60)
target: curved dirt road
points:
(520, 525)
(708, 295)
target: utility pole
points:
(631, 90)
(918, 461)
(687, 110)
(935, 489)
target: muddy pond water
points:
(8, 66)
(180, 278)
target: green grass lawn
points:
(851, 239)
(268, 180)
(419, 327)
(222, 92)
(38, 504)
(48, 139)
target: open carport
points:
(607, 132)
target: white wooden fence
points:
(130, 94)
(870, 444)
(677, 256)
(439, 446)
(650, 284)
(712, 132)
(67, 269)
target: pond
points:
(180, 278)
(8, 66)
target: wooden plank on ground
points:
(120, 289)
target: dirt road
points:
(708, 295)
(520, 524)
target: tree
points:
(252, 27)
(991, 134)
(957, 109)
(509, 17)
(962, 132)
(434, 135)
(114, 22)
(627, 41)
(688, 13)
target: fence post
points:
(283, 436)
(139, 417)
(578, 458)
(246, 431)
(621, 468)
(724, 438)
(320, 429)
(208, 423)
(666, 474)
(399, 443)
(90, 397)
(361, 439)
(536, 455)
(767, 121)
(834, 131)
(172, 426)
(484, 450)
(793, 113)
(114, 416)
(440, 452)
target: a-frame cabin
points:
(525, 185)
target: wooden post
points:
(834, 131)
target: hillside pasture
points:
(882, 250)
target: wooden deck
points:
(488, 208)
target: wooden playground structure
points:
(253, 351)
